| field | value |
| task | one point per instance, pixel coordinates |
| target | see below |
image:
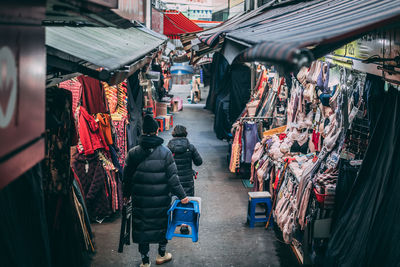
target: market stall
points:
(308, 133)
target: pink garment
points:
(258, 151)
(76, 89)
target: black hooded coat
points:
(185, 153)
(150, 176)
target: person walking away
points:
(184, 154)
(150, 176)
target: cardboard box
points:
(161, 109)
(175, 106)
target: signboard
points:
(375, 53)
(381, 44)
(22, 99)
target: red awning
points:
(176, 23)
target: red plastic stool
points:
(161, 124)
(171, 121)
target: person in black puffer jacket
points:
(150, 176)
(184, 154)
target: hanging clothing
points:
(23, 225)
(111, 92)
(104, 121)
(374, 96)
(93, 179)
(250, 139)
(60, 136)
(122, 107)
(75, 87)
(134, 109)
(93, 97)
(120, 144)
(372, 239)
(78, 190)
(236, 150)
(90, 135)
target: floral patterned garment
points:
(60, 136)
(120, 130)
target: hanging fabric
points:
(93, 97)
(236, 150)
(372, 239)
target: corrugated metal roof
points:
(211, 36)
(312, 28)
(151, 32)
(106, 47)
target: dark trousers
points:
(144, 249)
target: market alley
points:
(224, 238)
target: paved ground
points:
(224, 238)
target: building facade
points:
(193, 9)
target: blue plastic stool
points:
(258, 198)
(188, 214)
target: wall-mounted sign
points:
(375, 53)
(8, 86)
(22, 99)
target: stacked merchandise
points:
(265, 110)
(99, 154)
(320, 148)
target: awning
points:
(84, 13)
(117, 52)
(301, 32)
(176, 23)
(210, 40)
(210, 37)
(206, 24)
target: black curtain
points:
(219, 72)
(239, 91)
(24, 239)
(367, 228)
(135, 107)
(222, 126)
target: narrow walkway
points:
(224, 238)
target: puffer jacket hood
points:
(184, 154)
(150, 141)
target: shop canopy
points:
(210, 37)
(304, 31)
(105, 53)
(210, 40)
(176, 23)
(206, 24)
(296, 32)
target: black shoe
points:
(184, 230)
